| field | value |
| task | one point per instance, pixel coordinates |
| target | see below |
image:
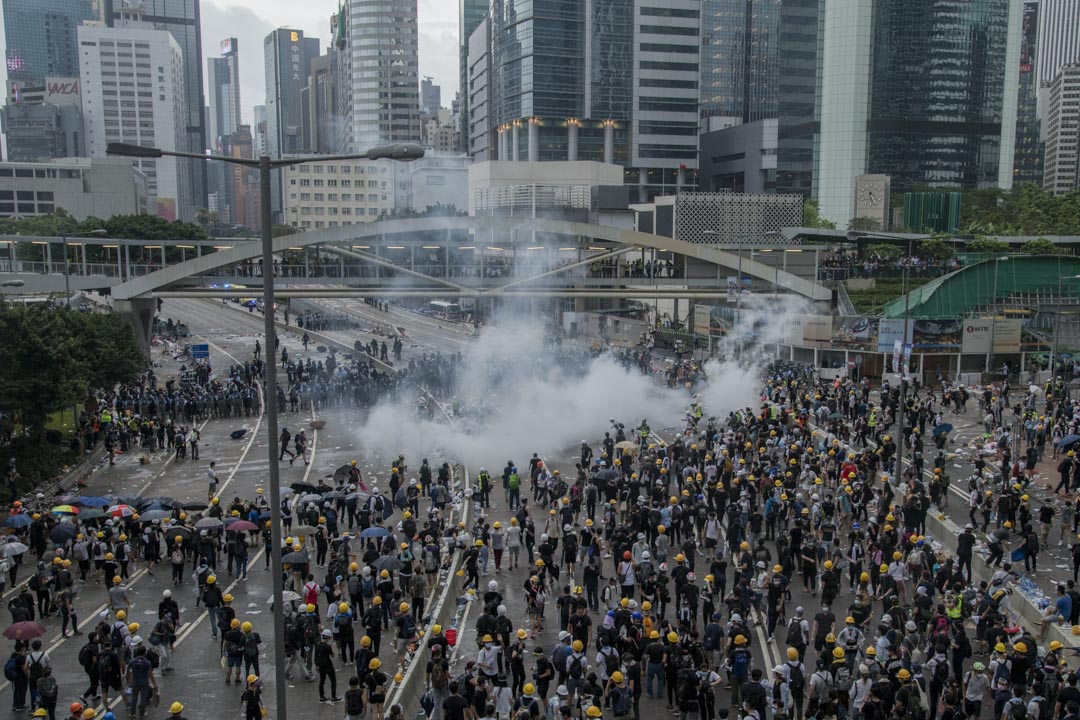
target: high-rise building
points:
(575, 81)
(470, 14)
(1028, 155)
(739, 59)
(666, 72)
(917, 90)
(48, 126)
(476, 94)
(430, 97)
(797, 83)
(243, 181)
(223, 85)
(41, 38)
(1059, 38)
(287, 55)
(376, 74)
(1061, 171)
(261, 144)
(149, 110)
(182, 19)
(318, 98)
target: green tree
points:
(935, 249)
(281, 230)
(865, 224)
(811, 216)
(1040, 246)
(885, 251)
(984, 244)
(56, 356)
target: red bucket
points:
(451, 636)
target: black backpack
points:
(796, 680)
(611, 661)
(577, 668)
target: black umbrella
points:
(238, 434)
(163, 501)
(174, 530)
(303, 487)
(295, 558)
(62, 533)
(342, 474)
(607, 474)
(194, 506)
(388, 562)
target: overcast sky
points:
(249, 21)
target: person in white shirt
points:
(860, 691)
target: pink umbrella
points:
(241, 526)
(121, 511)
(25, 630)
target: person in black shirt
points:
(354, 700)
(454, 706)
(324, 663)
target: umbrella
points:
(626, 445)
(151, 515)
(264, 515)
(334, 495)
(15, 521)
(303, 487)
(607, 474)
(91, 514)
(342, 474)
(25, 630)
(149, 503)
(121, 510)
(242, 526)
(65, 510)
(374, 532)
(303, 530)
(295, 558)
(209, 524)
(93, 502)
(196, 506)
(238, 434)
(311, 498)
(1035, 390)
(286, 596)
(174, 530)
(387, 562)
(62, 533)
(286, 491)
(836, 416)
(1068, 440)
(942, 429)
(13, 548)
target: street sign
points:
(200, 351)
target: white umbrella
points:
(286, 596)
(14, 548)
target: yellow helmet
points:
(528, 688)
(176, 708)
(740, 639)
(903, 674)
(672, 637)
(792, 654)
(375, 664)
(617, 677)
(838, 653)
(246, 627)
(593, 712)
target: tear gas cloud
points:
(518, 401)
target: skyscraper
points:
(924, 91)
(1059, 38)
(1028, 155)
(223, 86)
(430, 97)
(1062, 169)
(287, 55)
(154, 116)
(470, 14)
(41, 38)
(376, 75)
(739, 59)
(184, 22)
(797, 86)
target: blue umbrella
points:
(62, 533)
(264, 516)
(17, 521)
(942, 429)
(93, 502)
(1067, 440)
(375, 532)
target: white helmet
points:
(483, 469)
(501, 609)
(493, 586)
(167, 594)
(543, 537)
(645, 555)
(567, 527)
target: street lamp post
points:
(404, 152)
(67, 263)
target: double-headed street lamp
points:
(403, 152)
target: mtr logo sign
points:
(977, 328)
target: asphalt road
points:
(198, 680)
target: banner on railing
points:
(855, 332)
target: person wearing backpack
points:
(438, 681)
(607, 660)
(15, 673)
(937, 669)
(576, 666)
(252, 641)
(48, 692)
(620, 696)
(354, 700)
(738, 662)
(795, 675)
(35, 663)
